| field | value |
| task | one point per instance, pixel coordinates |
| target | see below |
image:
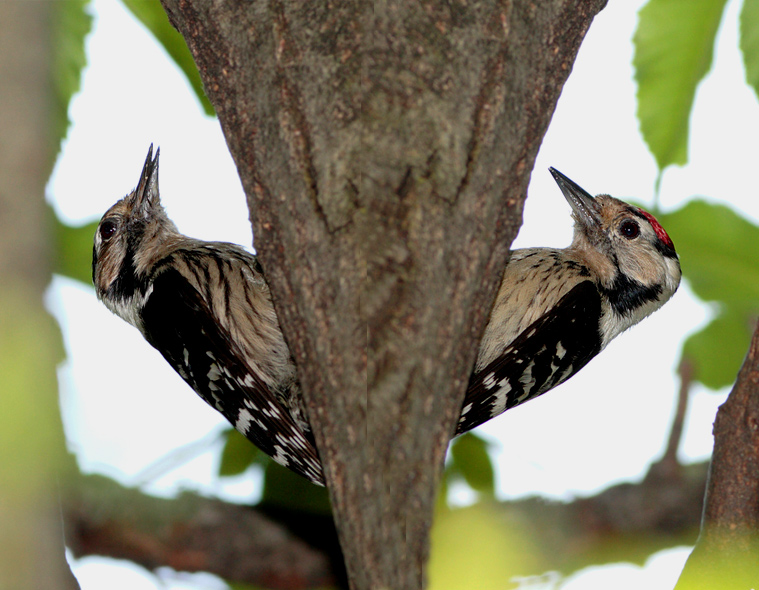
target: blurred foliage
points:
(33, 459)
(721, 263)
(717, 565)
(286, 489)
(71, 23)
(31, 440)
(72, 249)
(717, 350)
(673, 52)
(151, 14)
(749, 42)
(469, 461)
(476, 547)
(238, 455)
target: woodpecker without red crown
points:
(558, 308)
(206, 307)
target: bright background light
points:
(602, 427)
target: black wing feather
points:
(206, 357)
(547, 353)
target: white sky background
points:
(602, 427)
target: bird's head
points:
(123, 237)
(626, 247)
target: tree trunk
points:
(385, 149)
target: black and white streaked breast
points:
(548, 352)
(208, 359)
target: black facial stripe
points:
(637, 213)
(627, 294)
(127, 282)
(94, 261)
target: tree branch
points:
(669, 459)
(627, 522)
(726, 553)
(190, 533)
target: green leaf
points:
(73, 249)
(470, 459)
(70, 25)
(718, 350)
(674, 43)
(238, 454)
(151, 14)
(718, 252)
(720, 260)
(749, 42)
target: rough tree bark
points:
(385, 149)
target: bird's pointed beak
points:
(147, 189)
(584, 205)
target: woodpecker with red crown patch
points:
(558, 308)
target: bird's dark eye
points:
(107, 229)
(629, 229)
